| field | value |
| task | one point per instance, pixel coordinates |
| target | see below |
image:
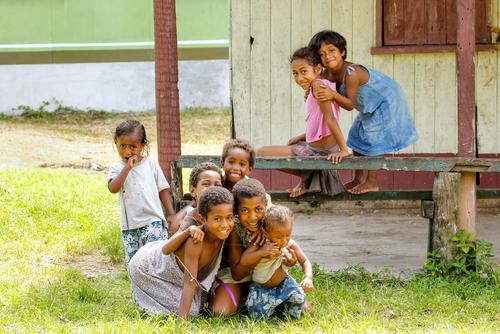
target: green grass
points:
(50, 218)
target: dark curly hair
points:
(213, 196)
(277, 215)
(200, 168)
(248, 188)
(329, 37)
(130, 126)
(239, 143)
(307, 53)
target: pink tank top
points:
(316, 127)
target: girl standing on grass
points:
(141, 187)
(384, 123)
(178, 283)
(323, 136)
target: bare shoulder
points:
(358, 74)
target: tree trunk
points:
(445, 224)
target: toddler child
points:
(272, 286)
(177, 283)
(323, 136)
(141, 187)
(384, 122)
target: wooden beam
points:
(465, 76)
(166, 78)
(419, 164)
(466, 39)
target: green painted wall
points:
(59, 25)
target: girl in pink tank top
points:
(322, 137)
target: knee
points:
(222, 308)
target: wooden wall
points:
(268, 106)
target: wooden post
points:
(445, 224)
(166, 77)
(466, 42)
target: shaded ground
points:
(376, 240)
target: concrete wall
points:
(127, 86)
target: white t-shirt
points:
(140, 195)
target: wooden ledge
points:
(417, 164)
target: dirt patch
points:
(93, 265)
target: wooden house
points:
(414, 42)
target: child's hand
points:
(257, 238)
(289, 257)
(293, 140)
(324, 93)
(307, 284)
(338, 156)
(270, 250)
(196, 233)
(133, 161)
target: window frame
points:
(381, 49)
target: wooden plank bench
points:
(441, 205)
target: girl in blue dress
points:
(384, 123)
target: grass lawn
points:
(51, 219)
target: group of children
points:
(232, 245)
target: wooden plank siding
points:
(268, 106)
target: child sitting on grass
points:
(250, 206)
(177, 283)
(141, 187)
(272, 286)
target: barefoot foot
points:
(351, 184)
(363, 188)
(299, 190)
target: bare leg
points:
(359, 175)
(222, 303)
(370, 184)
(284, 151)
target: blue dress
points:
(384, 123)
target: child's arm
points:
(333, 125)
(192, 254)
(166, 201)
(307, 282)
(114, 185)
(352, 83)
(239, 271)
(186, 230)
(254, 253)
(297, 139)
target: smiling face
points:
(304, 73)
(236, 165)
(280, 234)
(331, 56)
(219, 221)
(129, 145)
(251, 212)
(207, 178)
